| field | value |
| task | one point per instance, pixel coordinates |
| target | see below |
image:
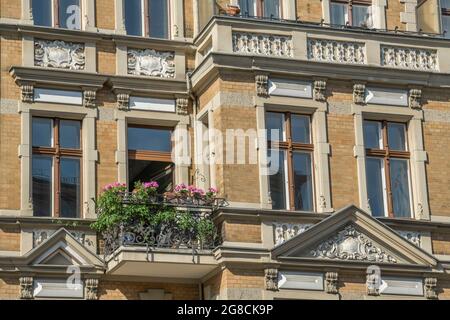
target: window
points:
(56, 167)
(290, 153)
(355, 13)
(387, 169)
(150, 156)
(57, 13)
(445, 10)
(260, 8)
(148, 18)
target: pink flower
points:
(151, 184)
(181, 188)
(213, 190)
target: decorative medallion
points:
(59, 54)
(150, 62)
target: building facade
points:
(324, 125)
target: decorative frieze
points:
(262, 85)
(430, 288)
(331, 282)
(182, 106)
(39, 236)
(409, 58)
(150, 62)
(262, 44)
(412, 236)
(123, 101)
(271, 279)
(336, 51)
(351, 244)
(286, 231)
(319, 91)
(59, 54)
(89, 97)
(359, 93)
(91, 287)
(415, 98)
(26, 287)
(27, 93)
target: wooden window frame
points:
(290, 147)
(386, 154)
(350, 4)
(146, 18)
(56, 152)
(55, 13)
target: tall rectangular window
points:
(150, 156)
(148, 18)
(260, 8)
(56, 167)
(354, 13)
(57, 13)
(445, 13)
(387, 169)
(290, 153)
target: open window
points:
(57, 13)
(147, 18)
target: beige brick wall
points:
(106, 166)
(352, 286)
(11, 54)
(441, 243)
(188, 18)
(9, 288)
(105, 14)
(393, 9)
(443, 289)
(309, 10)
(243, 278)
(241, 232)
(106, 57)
(9, 238)
(10, 9)
(116, 290)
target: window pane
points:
(42, 12)
(339, 13)
(361, 16)
(400, 188)
(149, 139)
(277, 180)
(69, 134)
(446, 25)
(372, 135)
(42, 185)
(275, 126)
(248, 7)
(145, 171)
(272, 8)
(133, 17)
(70, 14)
(159, 18)
(396, 136)
(375, 185)
(300, 129)
(303, 181)
(445, 4)
(70, 188)
(42, 131)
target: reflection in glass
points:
(396, 136)
(144, 171)
(339, 13)
(300, 129)
(303, 181)
(133, 17)
(372, 135)
(248, 7)
(275, 126)
(400, 188)
(446, 26)
(149, 139)
(69, 14)
(42, 12)
(361, 16)
(159, 19)
(69, 134)
(70, 187)
(42, 131)
(277, 180)
(375, 185)
(272, 8)
(42, 185)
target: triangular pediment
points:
(352, 235)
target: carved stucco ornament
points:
(285, 231)
(262, 85)
(415, 98)
(182, 106)
(27, 93)
(26, 287)
(150, 62)
(89, 97)
(271, 279)
(123, 101)
(262, 44)
(359, 93)
(91, 287)
(409, 58)
(59, 54)
(430, 288)
(331, 282)
(336, 51)
(319, 90)
(351, 244)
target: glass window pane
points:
(396, 136)
(372, 135)
(69, 134)
(133, 17)
(42, 185)
(42, 131)
(272, 8)
(300, 129)
(361, 16)
(445, 4)
(159, 19)
(375, 186)
(70, 188)
(70, 14)
(338, 13)
(145, 171)
(275, 126)
(149, 139)
(248, 7)
(303, 181)
(400, 188)
(277, 179)
(446, 26)
(42, 12)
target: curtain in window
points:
(338, 13)
(278, 191)
(361, 16)
(272, 8)
(248, 7)
(375, 185)
(303, 181)
(400, 188)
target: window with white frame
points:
(353, 13)
(147, 18)
(261, 8)
(57, 13)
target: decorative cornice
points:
(138, 85)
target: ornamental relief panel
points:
(39, 236)
(336, 51)
(262, 44)
(409, 58)
(285, 231)
(413, 236)
(149, 62)
(59, 54)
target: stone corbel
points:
(430, 288)
(373, 280)
(415, 98)
(91, 287)
(271, 279)
(182, 106)
(123, 100)
(26, 287)
(320, 87)
(359, 93)
(27, 92)
(89, 98)
(262, 85)
(331, 282)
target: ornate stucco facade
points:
(225, 72)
